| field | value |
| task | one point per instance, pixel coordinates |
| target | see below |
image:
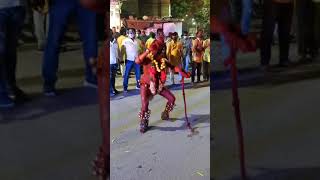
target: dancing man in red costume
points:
(155, 66)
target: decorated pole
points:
(236, 106)
(185, 105)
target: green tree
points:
(197, 9)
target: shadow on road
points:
(253, 76)
(40, 105)
(308, 173)
(193, 119)
(175, 87)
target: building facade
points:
(140, 8)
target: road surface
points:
(50, 138)
(280, 117)
(165, 152)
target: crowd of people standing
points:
(293, 19)
(183, 51)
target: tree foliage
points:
(197, 9)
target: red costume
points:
(152, 82)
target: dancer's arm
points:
(140, 59)
(233, 36)
(153, 49)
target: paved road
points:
(50, 138)
(165, 152)
(280, 120)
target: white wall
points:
(172, 27)
(115, 16)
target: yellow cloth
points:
(196, 53)
(149, 42)
(140, 46)
(206, 56)
(119, 41)
(174, 52)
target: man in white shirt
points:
(12, 15)
(114, 59)
(130, 46)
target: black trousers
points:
(305, 17)
(113, 72)
(316, 10)
(196, 66)
(206, 70)
(280, 14)
(11, 23)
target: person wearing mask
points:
(114, 60)
(174, 54)
(130, 47)
(187, 53)
(276, 12)
(144, 37)
(12, 15)
(197, 53)
(59, 11)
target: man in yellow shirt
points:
(174, 53)
(120, 39)
(197, 54)
(151, 39)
